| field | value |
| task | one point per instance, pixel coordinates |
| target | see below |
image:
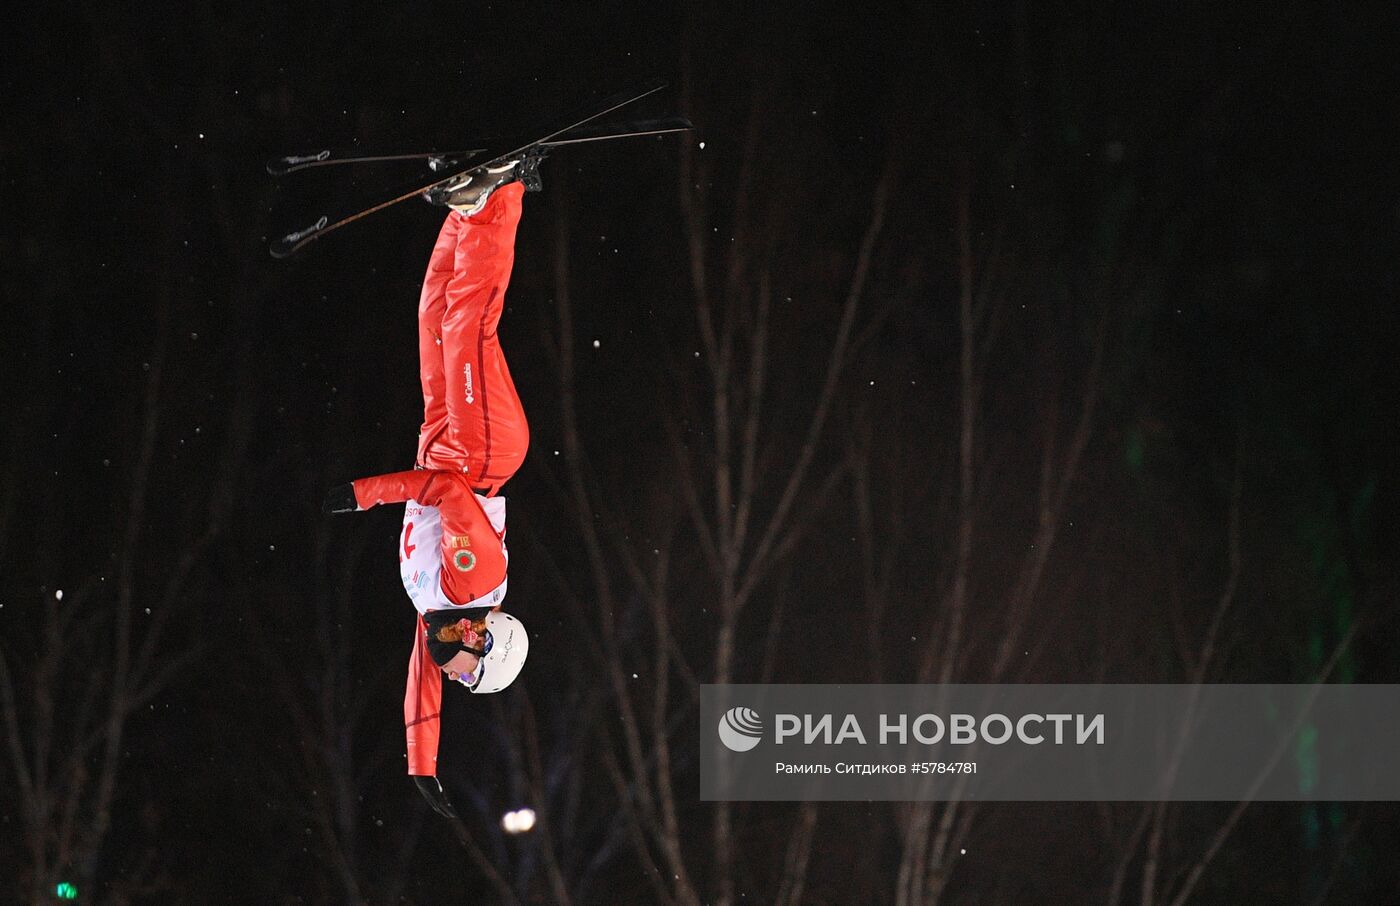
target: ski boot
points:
(468, 194)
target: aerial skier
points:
(452, 552)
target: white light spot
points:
(58, 595)
(596, 344)
(963, 851)
(702, 146)
(519, 821)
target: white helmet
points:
(507, 645)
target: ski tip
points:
(289, 243)
(281, 166)
(282, 248)
(650, 87)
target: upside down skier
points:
(452, 553)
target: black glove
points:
(341, 499)
(437, 798)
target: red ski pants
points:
(473, 421)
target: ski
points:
(610, 131)
(281, 166)
(289, 243)
(440, 160)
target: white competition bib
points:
(420, 555)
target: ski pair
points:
(438, 161)
(515, 149)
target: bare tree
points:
(1169, 873)
(317, 689)
(746, 498)
(930, 831)
(66, 728)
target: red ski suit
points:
(474, 437)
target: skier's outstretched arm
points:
(473, 560)
(427, 486)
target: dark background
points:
(1156, 248)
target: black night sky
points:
(993, 343)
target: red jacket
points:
(473, 564)
(473, 560)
